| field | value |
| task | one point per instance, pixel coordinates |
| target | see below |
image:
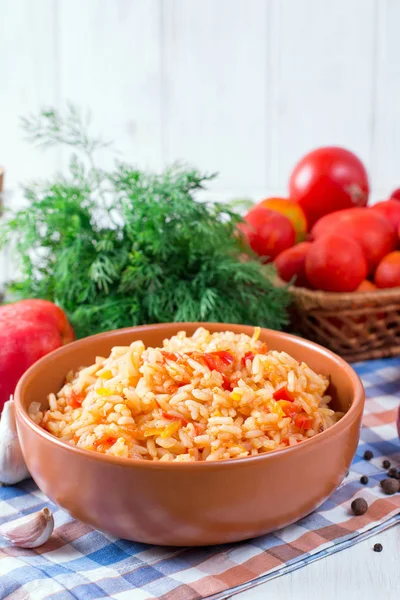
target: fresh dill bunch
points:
(126, 247)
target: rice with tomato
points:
(200, 398)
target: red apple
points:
(28, 330)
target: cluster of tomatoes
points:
(325, 236)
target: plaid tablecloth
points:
(78, 562)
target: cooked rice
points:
(200, 398)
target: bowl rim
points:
(354, 410)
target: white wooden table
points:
(357, 572)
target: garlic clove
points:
(12, 464)
(30, 531)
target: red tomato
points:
(366, 286)
(326, 180)
(291, 264)
(387, 274)
(390, 210)
(370, 229)
(336, 263)
(290, 209)
(396, 194)
(268, 232)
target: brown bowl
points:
(188, 503)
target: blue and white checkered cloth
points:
(78, 562)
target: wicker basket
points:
(357, 325)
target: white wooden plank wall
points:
(236, 86)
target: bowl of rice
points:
(189, 433)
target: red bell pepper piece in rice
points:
(283, 394)
(166, 415)
(105, 442)
(226, 357)
(218, 361)
(289, 408)
(303, 421)
(169, 417)
(75, 400)
(246, 357)
(226, 384)
(198, 428)
(169, 355)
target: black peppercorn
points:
(378, 547)
(390, 486)
(393, 473)
(386, 464)
(368, 455)
(359, 506)
(364, 480)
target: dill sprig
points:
(126, 247)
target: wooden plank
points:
(357, 572)
(215, 90)
(27, 82)
(110, 63)
(386, 146)
(325, 79)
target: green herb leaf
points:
(127, 247)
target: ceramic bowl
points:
(188, 503)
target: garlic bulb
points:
(12, 465)
(30, 531)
